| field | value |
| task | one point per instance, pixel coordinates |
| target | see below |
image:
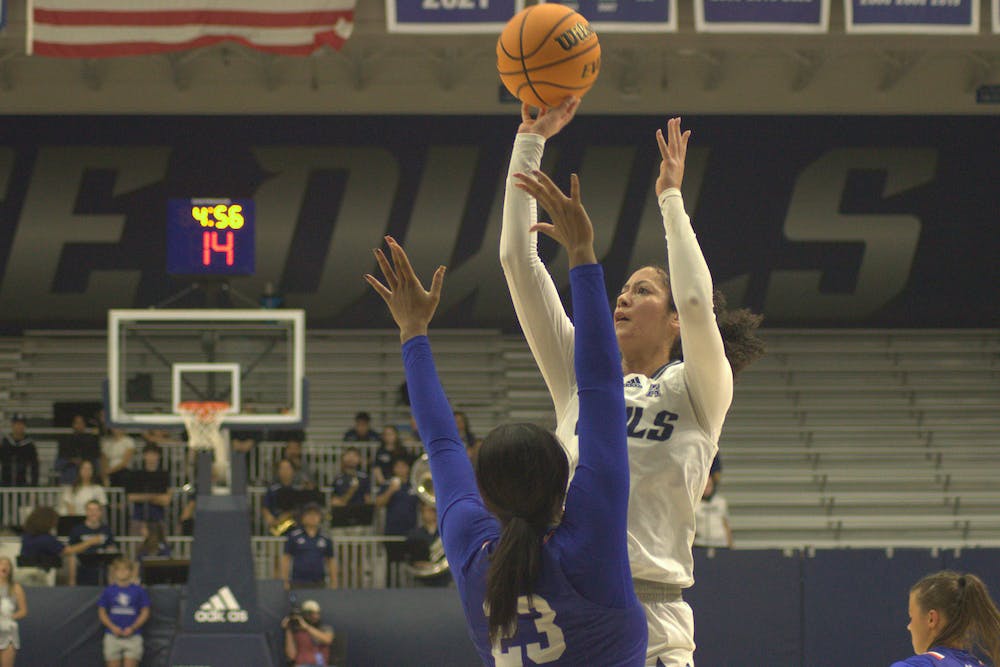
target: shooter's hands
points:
(548, 122)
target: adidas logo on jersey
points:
(634, 383)
(221, 608)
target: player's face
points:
(642, 310)
(919, 627)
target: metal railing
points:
(361, 560)
(17, 502)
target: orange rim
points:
(203, 408)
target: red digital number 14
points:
(210, 244)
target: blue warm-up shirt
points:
(583, 608)
(123, 604)
(309, 555)
(940, 656)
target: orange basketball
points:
(546, 53)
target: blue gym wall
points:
(752, 609)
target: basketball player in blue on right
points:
(541, 582)
(952, 618)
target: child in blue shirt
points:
(123, 609)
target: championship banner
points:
(912, 16)
(627, 15)
(773, 16)
(112, 28)
(449, 16)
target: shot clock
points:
(210, 236)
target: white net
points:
(203, 421)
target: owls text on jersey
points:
(669, 458)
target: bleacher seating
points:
(852, 438)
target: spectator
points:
(148, 490)
(399, 500)
(412, 440)
(279, 504)
(426, 552)
(186, 518)
(307, 640)
(304, 478)
(351, 486)
(715, 472)
(308, 555)
(362, 431)
(464, 432)
(83, 490)
(117, 451)
(40, 548)
(154, 543)
(711, 520)
(18, 456)
(123, 609)
(74, 448)
(13, 607)
(246, 442)
(88, 571)
(390, 448)
(270, 297)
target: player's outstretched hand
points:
(673, 152)
(548, 122)
(412, 306)
(570, 226)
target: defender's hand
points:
(571, 226)
(412, 306)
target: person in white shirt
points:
(84, 489)
(711, 520)
(676, 398)
(117, 451)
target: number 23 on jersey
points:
(545, 630)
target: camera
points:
(295, 619)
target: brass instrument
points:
(286, 521)
(437, 563)
(420, 480)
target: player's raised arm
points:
(596, 503)
(709, 376)
(546, 327)
(462, 517)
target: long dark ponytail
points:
(522, 474)
(972, 621)
(738, 328)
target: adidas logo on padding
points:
(221, 608)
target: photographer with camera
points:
(307, 640)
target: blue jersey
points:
(583, 609)
(123, 604)
(940, 656)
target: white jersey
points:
(675, 417)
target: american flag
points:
(109, 28)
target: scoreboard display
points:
(210, 236)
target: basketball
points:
(546, 53)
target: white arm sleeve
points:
(546, 326)
(706, 369)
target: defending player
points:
(675, 408)
(533, 594)
(952, 617)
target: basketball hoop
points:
(203, 421)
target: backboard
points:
(252, 359)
